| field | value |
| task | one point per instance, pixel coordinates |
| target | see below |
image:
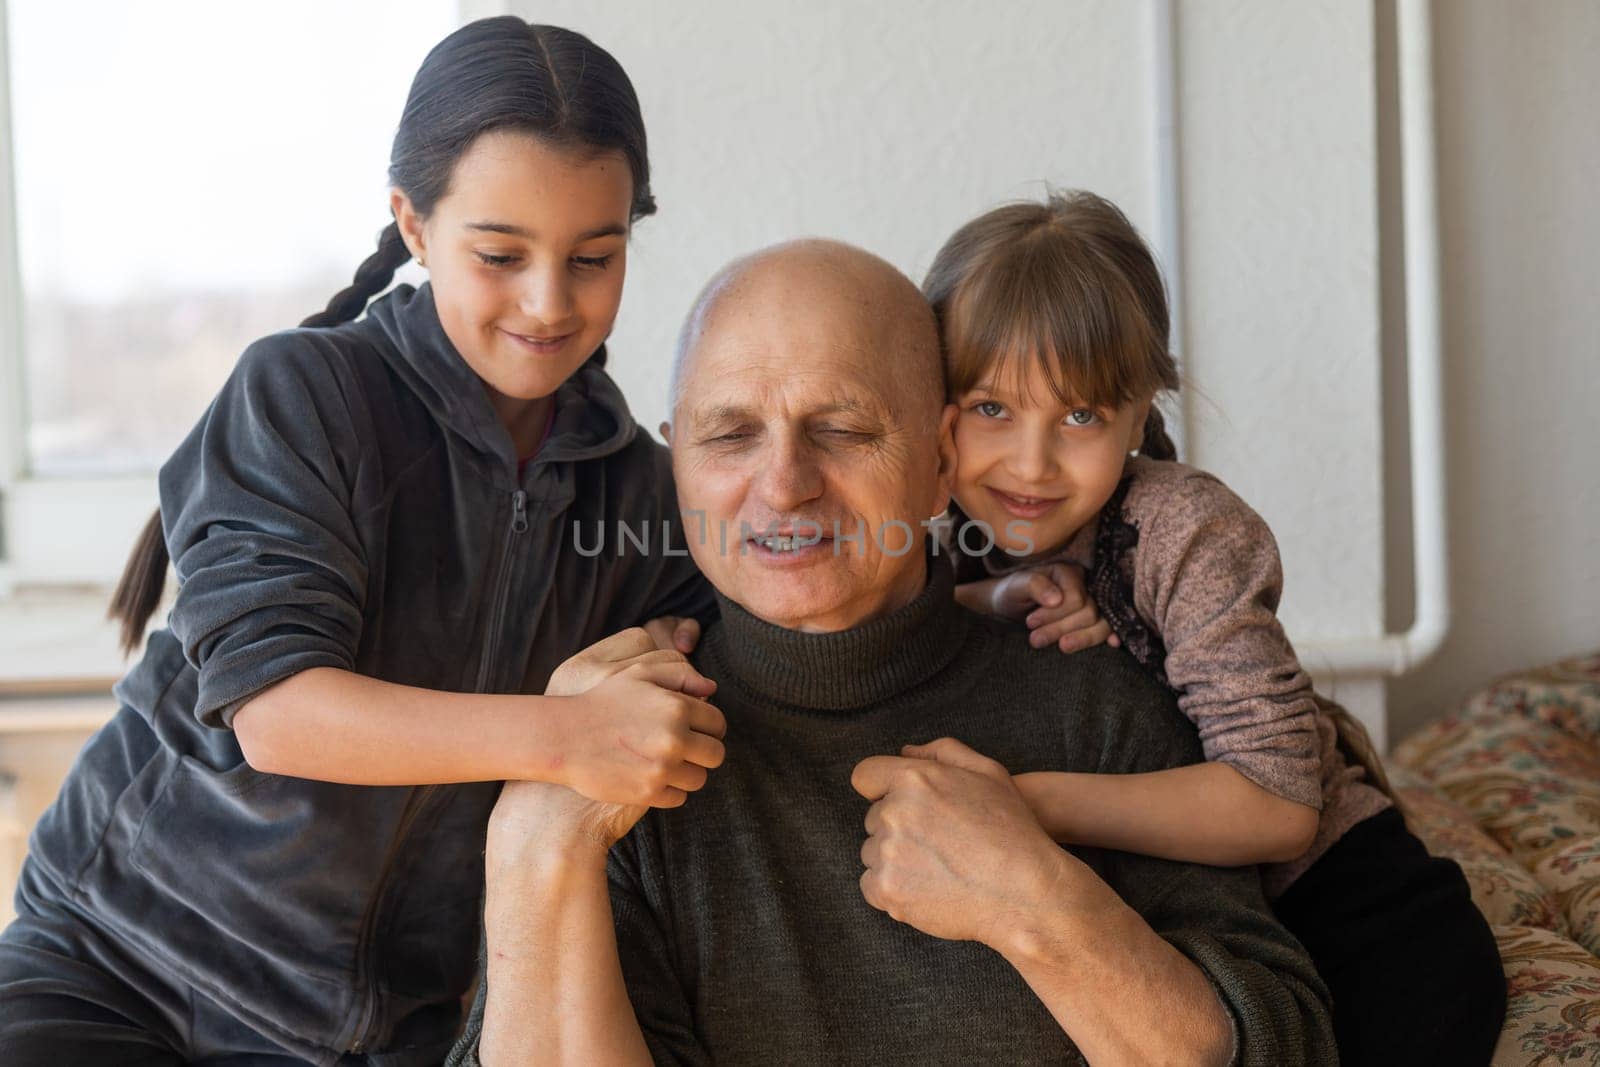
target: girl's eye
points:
(490, 260)
(989, 409)
(1082, 417)
(591, 262)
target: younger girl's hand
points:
(1073, 622)
(1011, 596)
(639, 730)
(674, 633)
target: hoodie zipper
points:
(366, 944)
(519, 525)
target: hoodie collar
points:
(591, 416)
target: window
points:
(184, 177)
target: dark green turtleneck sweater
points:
(740, 922)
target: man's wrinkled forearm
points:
(1116, 987)
(555, 993)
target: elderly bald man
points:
(809, 447)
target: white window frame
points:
(53, 531)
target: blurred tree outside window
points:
(189, 176)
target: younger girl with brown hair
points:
(1054, 322)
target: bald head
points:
(870, 306)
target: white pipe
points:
(1168, 209)
(1397, 653)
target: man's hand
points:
(544, 819)
(952, 848)
(1052, 600)
(640, 731)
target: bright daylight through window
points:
(183, 186)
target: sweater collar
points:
(851, 669)
(591, 416)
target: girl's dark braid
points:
(372, 278)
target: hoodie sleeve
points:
(258, 505)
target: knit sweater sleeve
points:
(661, 1002)
(1218, 918)
(1207, 578)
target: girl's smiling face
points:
(526, 253)
(1035, 468)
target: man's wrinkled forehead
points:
(761, 346)
(729, 386)
(805, 325)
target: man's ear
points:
(412, 228)
(947, 457)
(665, 429)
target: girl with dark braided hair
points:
(273, 852)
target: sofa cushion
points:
(1507, 894)
(1552, 999)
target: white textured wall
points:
(1519, 150)
(1279, 214)
(889, 124)
(884, 124)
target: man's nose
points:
(547, 295)
(791, 475)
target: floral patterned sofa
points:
(1509, 786)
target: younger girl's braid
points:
(1157, 444)
(372, 277)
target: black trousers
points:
(69, 995)
(1413, 968)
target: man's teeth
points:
(785, 544)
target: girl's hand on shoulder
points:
(1011, 596)
(639, 730)
(1052, 600)
(1072, 622)
(673, 633)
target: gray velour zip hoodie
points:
(350, 500)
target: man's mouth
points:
(788, 542)
(796, 541)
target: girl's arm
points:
(621, 722)
(1204, 813)
(338, 726)
(1207, 580)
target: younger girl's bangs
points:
(1044, 300)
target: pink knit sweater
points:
(1189, 577)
